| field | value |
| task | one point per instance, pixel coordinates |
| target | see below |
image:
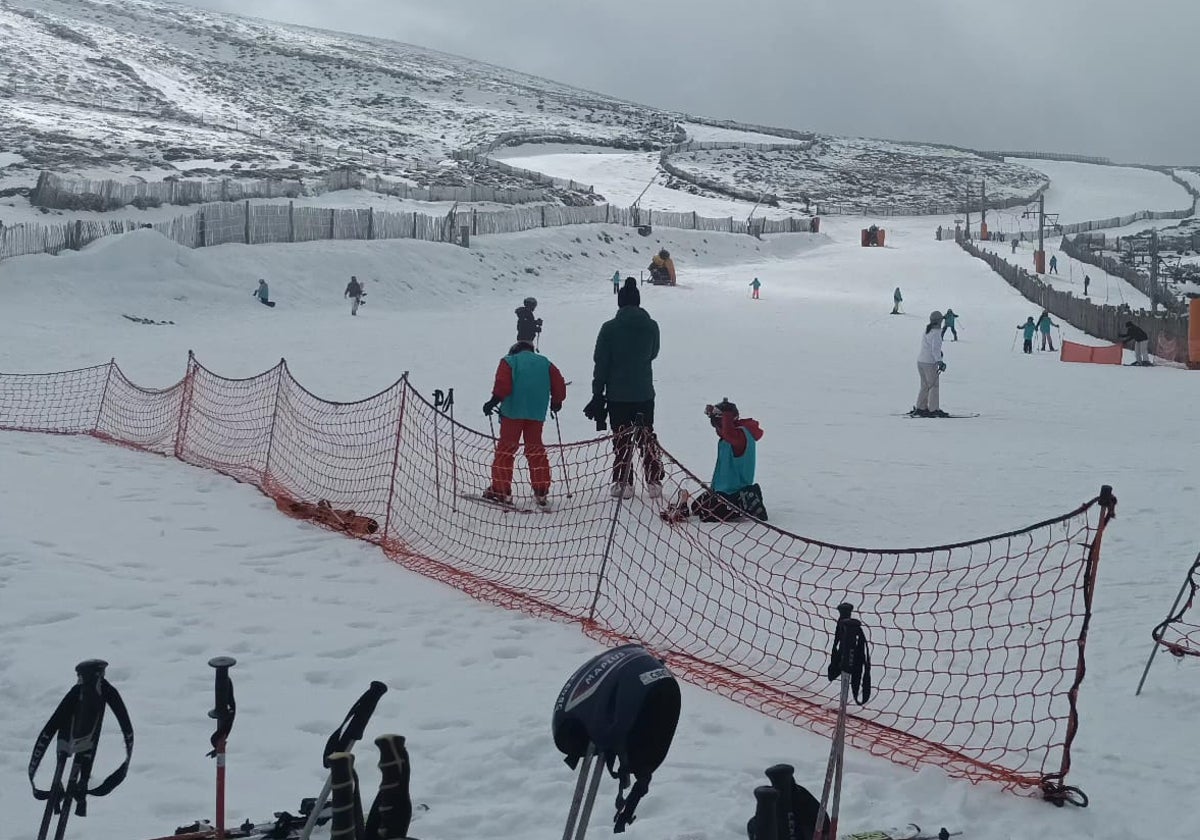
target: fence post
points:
(474, 223)
(370, 223)
(332, 216)
(291, 221)
(414, 236)
(543, 215)
(247, 221)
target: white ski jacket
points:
(931, 347)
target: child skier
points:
(756, 286)
(732, 492)
(616, 278)
(897, 299)
(950, 317)
(930, 367)
(1044, 324)
(1028, 328)
(526, 385)
(528, 327)
(1087, 281)
(1053, 267)
(263, 293)
(354, 291)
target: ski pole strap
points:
(60, 725)
(355, 724)
(851, 655)
(224, 711)
(626, 805)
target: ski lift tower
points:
(1044, 219)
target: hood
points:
(751, 426)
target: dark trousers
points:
(953, 331)
(633, 427)
(1028, 345)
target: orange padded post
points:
(983, 231)
(1039, 262)
(1194, 334)
(864, 237)
(881, 237)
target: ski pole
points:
(391, 812)
(1014, 343)
(223, 712)
(850, 664)
(766, 823)
(562, 456)
(343, 741)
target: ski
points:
(912, 416)
(285, 826)
(507, 507)
(912, 831)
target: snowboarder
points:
(1044, 324)
(616, 280)
(1028, 329)
(263, 293)
(525, 386)
(623, 387)
(950, 317)
(354, 291)
(897, 299)
(755, 285)
(528, 327)
(1087, 281)
(1053, 264)
(1141, 342)
(930, 367)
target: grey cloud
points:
(1087, 76)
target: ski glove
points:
(941, 367)
(489, 407)
(595, 408)
(555, 407)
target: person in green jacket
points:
(897, 299)
(755, 285)
(623, 390)
(1044, 324)
(1028, 328)
(616, 282)
(948, 323)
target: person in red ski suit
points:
(526, 385)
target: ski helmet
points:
(531, 302)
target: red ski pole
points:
(223, 712)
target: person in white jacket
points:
(930, 367)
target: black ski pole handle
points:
(363, 709)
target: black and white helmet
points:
(530, 302)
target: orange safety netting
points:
(978, 647)
(1109, 354)
(1179, 633)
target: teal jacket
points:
(526, 383)
(1044, 324)
(732, 472)
(756, 284)
(950, 317)
(625, 349)
(1029, 328)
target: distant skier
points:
(930, 367)
(263, 293)
(525, 386)
(354, 291)
(1028, 328)
(1014, 245)
(623, 390)
(732, 491)
(897, 299)
(528, 327)
(1141, 342)
(755, 285)
(950, 318)
(1087, 281)
(616, 280)
(1053, 264)
(873, 235)
(1044, 324)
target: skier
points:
(623, 386)
(1141, 342)
(732, 490)
(354, 291)
(1087, 281)
(263, 293)
(1014, 245)
(616, 282)
(755, 285)
(1028, 328)
(528, 327)
(873, 235)
(1053, 264)
(526, 384)
(897, 299)
(950, 317)
(930, 367)
(1044, 324)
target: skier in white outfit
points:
(930, 367)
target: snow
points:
(1105, 288)
(157, 566)
(1082, 191)
(9, 159)
(716, 134)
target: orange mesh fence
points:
(978, 647)
(1110, 354)
(1180, 632)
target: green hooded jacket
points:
(625, 349)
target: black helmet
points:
(531, 302)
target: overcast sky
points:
(1106, 77)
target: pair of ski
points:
(510, 506)
(914, 416)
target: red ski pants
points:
(511, 433)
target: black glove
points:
(941, 367)
(489, 407)
(555, 407)
(594, 408)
